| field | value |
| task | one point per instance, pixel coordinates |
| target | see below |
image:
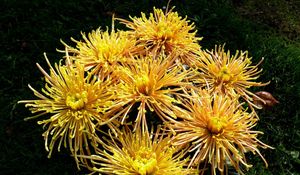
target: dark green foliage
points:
(29, 28)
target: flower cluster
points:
(149, 100)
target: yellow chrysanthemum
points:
(76, 103)
(152, 85)
(217, 131)
(165, 32)
(139, 153)
(101, 51)
(229, 74)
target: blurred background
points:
(269, 29)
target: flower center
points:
(142, 84)
(145, 161)
(216, 125)
(224, 75)
(77, 101)
(163, 31)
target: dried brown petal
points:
(264, 99)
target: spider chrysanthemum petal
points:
(140, 153)
(229, 74)
(100, 51)
(75, 101)
(152, 85)
(165, 32)
(217, 130)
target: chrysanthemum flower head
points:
(152, 85)
(164, 32)
(140, 153)
(101, 50)
(75, 102)
(229, 74)
(217, 131)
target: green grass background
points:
(268, 29)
